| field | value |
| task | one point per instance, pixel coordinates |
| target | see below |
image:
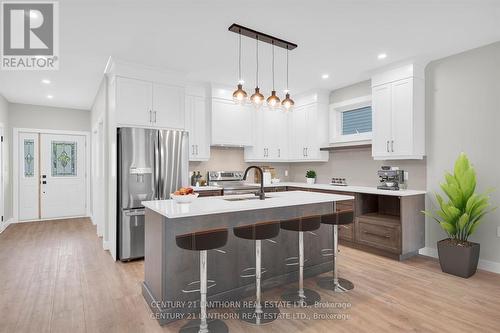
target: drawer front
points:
(293, 188)
(345, 205)
(346, 232)
(386, 237)
(209, 193)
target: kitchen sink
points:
(243, 199)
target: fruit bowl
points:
(186, 198)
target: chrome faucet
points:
(261, 194)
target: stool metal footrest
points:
(341, 286)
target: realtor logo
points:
(30, 35)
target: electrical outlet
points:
(498, 231)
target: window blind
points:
(357, 121)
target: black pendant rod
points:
(239, 29)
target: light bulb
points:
(239, 95)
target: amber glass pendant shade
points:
(273, 101)
(257, 98)
(287, 102)
(240, 95)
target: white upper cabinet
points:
(398, 114)
(198, 126)
(270, 137)
(232, 124)
(168, 106)
(150, 104)
(134, 102)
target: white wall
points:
(463, 114)
(7, 184)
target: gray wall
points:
(463, 115)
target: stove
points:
(231, 182)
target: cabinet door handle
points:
(155, 116)
(304, 152)
(375, 234)
(387, 145)
(192, 146)
(392, 145)
(307, 152)
(150, 116)
(196, 150)
(279, 152)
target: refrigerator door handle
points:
(156, 173)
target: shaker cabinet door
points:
(382, 120)
(168, 106)
(133, 102)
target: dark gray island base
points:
(171, 276)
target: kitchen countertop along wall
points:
(359, 168)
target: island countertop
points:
(219, 204)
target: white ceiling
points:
(341, 38)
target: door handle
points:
(307, 152)
(192, 146)
(304, 152)
(155, 116)
(196, 150)
(387, 145)
(279, 152)
(392, 145)
(150, 116)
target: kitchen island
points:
(171, 274)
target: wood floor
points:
(55, 277)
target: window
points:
(351, 121)
(29, 157)
(63, 159)
(357, 121)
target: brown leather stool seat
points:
(262, 230)
(308, 223)
(338, 218)
(202, 240)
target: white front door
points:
(52, 177)
(62, 170)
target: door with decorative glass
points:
(62, 176)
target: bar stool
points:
(335, 283)
(258, 314)
(202, 241)
(301, 297)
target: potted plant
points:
(459, 215)
(311, 176)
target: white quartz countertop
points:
(218, 204)
(354, 189)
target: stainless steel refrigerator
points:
(151, 165)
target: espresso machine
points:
(391, 178)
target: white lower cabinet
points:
(232, 124)
(197, 124)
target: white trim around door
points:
(15, 164)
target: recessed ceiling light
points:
(33, 14)
(382, 56)
(46, 81)
(50, 96)
(325, 76)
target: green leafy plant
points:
(310, 174)
(463, 211)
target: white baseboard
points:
(487, 265)
(5, 224)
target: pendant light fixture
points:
(239, 95)
(287, 102)
(257, 98)
(273, 101)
